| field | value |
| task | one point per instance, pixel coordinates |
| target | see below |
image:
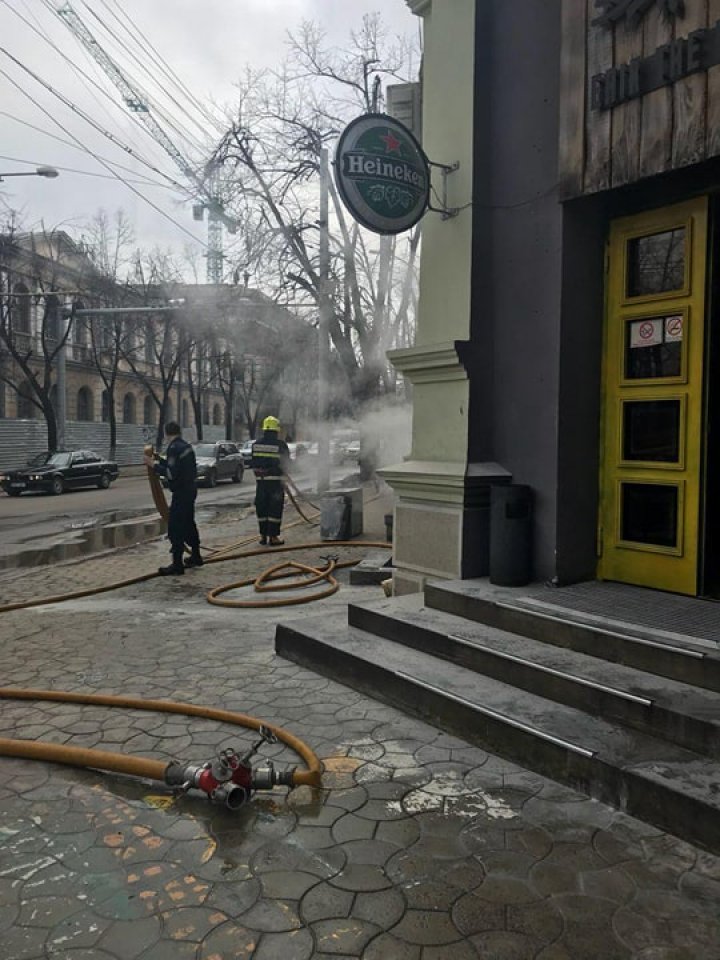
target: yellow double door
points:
(652, 445)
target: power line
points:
(172, 184)
(81, 113)
(84, 77)
(172, 122)
(102, 162)
(146, 45)
(88, 173)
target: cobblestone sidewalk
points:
(419, 846)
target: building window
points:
(85, 411)
(80, 333)
(149, 343)
(105, 406)
(129, 408)
(185, 413)
(51, 318)
(26, 409)
(22, 307)
(217, 415)
(149, 411)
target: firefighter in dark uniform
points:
(179, 468)
(270, 461)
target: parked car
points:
(57, 472)
(218, 461)
(246, 451)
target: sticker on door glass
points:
(673, 328)
(654, 346)
(646, 333)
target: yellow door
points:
(653, 399)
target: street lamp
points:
(37, 172)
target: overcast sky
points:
(208, 43)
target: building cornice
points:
(453, 483)
(431, 363)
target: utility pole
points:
(61, 411)
(323, 468)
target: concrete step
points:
(660, 782)
(686, 659)
(679, 712)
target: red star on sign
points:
(392, 144)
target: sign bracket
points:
(446, 212)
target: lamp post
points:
(50, 172)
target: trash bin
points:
(510, 534)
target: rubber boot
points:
(175, 568)
(194, 560)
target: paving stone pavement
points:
(419, 846)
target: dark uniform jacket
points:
(178, 466)
(270, 456)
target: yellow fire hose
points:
(136, 766)
(155, 769)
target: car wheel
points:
(238, 475)
(13, 493)
(57, 486)
(212, 479)
(104, 481)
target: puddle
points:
(121, 528)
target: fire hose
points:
(229, 778)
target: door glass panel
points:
(656, 263)
(649, 513)
(653, 347)
(651, 430)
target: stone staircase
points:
(628, 715)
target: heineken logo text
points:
(362, 165)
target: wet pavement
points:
(418, 846)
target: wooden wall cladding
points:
(667, 128)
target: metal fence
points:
(22, 439)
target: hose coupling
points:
(230, 795)
(267, 777)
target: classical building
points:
(568, 331)
(46, 278)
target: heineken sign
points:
(382, 174)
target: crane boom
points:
(138, 104)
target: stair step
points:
(688, 660)
(679, 712)
(657, 781)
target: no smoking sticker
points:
(673, 328)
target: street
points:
(38, 528)
(34, 523)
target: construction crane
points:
(137, 103)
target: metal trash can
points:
(510, 535)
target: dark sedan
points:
(57, 472)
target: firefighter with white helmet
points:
(270, 461)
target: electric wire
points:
(83, 115)
(163, 112)
(171, 184)
(166, 92)
(152, 52)
(88, 173)
(132, 188)
(87, 81)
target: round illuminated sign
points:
(382, 174)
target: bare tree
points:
(156, 358)
(109, 244)
(273, 145)
(34, 271)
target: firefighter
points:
(270, 461)
(178, 467)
